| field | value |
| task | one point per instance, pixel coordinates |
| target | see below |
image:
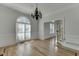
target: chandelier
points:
(37, 14)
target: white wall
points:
(71, 17)
(41, 29)
(46, 30)
(42, 21)
(8, 19)
(34, 28)
(7, 25)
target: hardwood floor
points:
(36, 48)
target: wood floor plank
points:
(37, 48)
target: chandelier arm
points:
(37, 14)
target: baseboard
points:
(49, 38)
(76, 52)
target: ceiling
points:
(45, 8)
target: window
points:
(51, 28)
(23, 28)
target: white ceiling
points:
(45, 8)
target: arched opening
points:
(23, 28)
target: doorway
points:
(59, 30)
(49, 29)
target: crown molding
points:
(25, 10)
(61, 10)
(18, 7)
